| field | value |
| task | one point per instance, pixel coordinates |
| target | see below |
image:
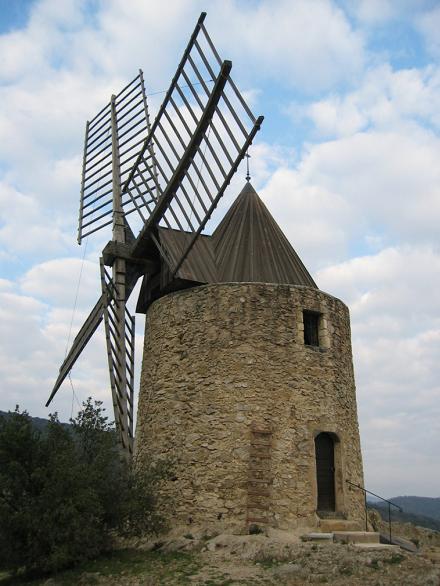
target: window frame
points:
(311, 323)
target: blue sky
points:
(347, 161)
(14, 14)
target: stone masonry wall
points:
(230, 392)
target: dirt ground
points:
(283, 559)
(258, 559)
(275, 559)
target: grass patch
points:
(396, 558)
(346, 571)
(159, 568)
(268, 561)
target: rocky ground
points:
(283, 559)
(275, 559)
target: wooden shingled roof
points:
(247, 245)
(250, 246)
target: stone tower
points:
(247, 384)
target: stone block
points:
(356, 536)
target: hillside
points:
(406, 516)
(419, 505)
(39, 422)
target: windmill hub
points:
(114, 250)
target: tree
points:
(64, 491)
(20, 463)
(98, 450)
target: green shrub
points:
(64, 492)
(49, 513)
(138, 503)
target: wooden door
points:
(325, 471)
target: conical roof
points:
(247, 245)
(250, 246)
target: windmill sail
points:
(85, 333)
(124, 121)
(89, 327)
(173, 174)
(120, 354)
(132, 125)
(200, 135)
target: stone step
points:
(317, 537)
(356, 536)
(377, 546)
(331, 525)
(400, 541)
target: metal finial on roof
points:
(248, 177)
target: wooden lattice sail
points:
(172, 174)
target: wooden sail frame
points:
(173, 174)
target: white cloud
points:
(55, 282)
(20, 54)
(392, 279)
(26, 227)
(365, 191)
(396, 341)
(384, 100)
(390, 179)
(312, 217)
(6, 285)
(332, 117)
(373, 11)
(39, 320)
(307, 45)
(376, 13)
(34, 338)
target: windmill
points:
(172, 174)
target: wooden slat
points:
(85, 333)
(185, 161)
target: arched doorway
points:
(325, 471)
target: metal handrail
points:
(390, 504)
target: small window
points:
(311, 328)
